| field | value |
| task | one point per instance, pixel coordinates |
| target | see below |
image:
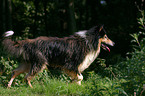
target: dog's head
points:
(103, 38)
(98, 33)
(95, 35)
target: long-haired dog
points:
(72, 54)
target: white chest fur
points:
(90, 57)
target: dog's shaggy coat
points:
(72, 54)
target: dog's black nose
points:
(113, 43)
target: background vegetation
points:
(118, 73)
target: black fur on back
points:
(66, 53)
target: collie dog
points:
(72, 54)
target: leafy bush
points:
(133, 69)
(99, 86)
(7, 66)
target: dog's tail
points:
(7, 34)
(9, 45)
(6, 37)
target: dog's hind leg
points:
(28, 78)
(31, 74)
(38, 63)
(24, 67)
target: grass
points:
(51, 87)
(94, 85)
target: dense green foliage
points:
(115, 76)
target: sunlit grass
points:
(51, 87)
(54, 87)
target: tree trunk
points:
(2, 18)
(71, 17)
(8, 15)
(36, 3)
(45, 17)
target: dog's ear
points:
(101, 28)
(102, 31)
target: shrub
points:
(133, 69)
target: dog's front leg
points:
(78, 79)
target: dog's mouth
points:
(105, 47)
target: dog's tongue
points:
(105, 47)
(108, 48)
